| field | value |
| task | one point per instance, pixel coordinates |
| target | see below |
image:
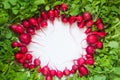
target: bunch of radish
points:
(28, 27)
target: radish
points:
(89, 23)
(90, 50)
(39, 19)
(37, 62)
(18, 56)
(99, 44)
(88, 30)
(100, 26)
(81, 24)
(64, 7)
(13, 27)
(21, 61)
(44, 15)
(51, 13)
(87, 16)
(17, 28)
(64, 20)
(79, 18)
(91, 39)
(31, 31)
(59, 74)
(89, 56)
(83, 70)
(99, 20)
(81, 61)
(52, 19)
(80, 74)
(23, 49)
(25, 65)
(28, 56)
(25, 24)
(66, 72)
(39, 69)
(25, 38)
(71, 20)
(56, 13)
(31, 66)
(90, 61)
(15, 44)
(44, 24)
(33, 21)
(48, 78)
(52, 72)
(101, 34)
(45, 70)
(57, 7)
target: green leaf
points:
(117, 70)
(113, 44)
(56, 3)
(13, 2)
(38, 2)
(99, 77)
(6, 4)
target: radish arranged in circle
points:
(57, 44)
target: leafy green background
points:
(107, 65)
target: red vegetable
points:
(18, 56)
(51, 13)
(91, 39)
(81, 61)
(15, 44)
(33, 21)
(59, 74)
(89, 23)
(90, 61)
(48, 78)
(79, 18)
(99, 44)
(28, 56)
(25, 38)
(23, 49)
(90, 50)
(83, 70)
(64, 7)
(44, 15)
(44, 24)
(45, 70)
(25, 24)
(100, 26)
(87, 16)
(52, 72)
(66, 72)
(81, 24)
(37, 62)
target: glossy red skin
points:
(83, 70)
(25, 24)
(44, 24)
(59, 74)
(81, 24)
(79, 18)
(48, 78)
(31, 31)
(99, 44)
(81, 61)
(18, 56)
(15, 44)
(52, 72)
(90, 50)
(88, 30)
(28, 56)
(25, 38)
(33, 21)
(89, 23)
(64, 7)
(66, 72)
(23, 49)
(91, 39)
(51, 13)
(87, 16)
(90, 61)
(37, 62)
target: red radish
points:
(39, 19)
(73, 71)
(57, 13)
(83, 70)
(101, 34)
(79, 18)
(66, 72)
(39, 69)
(87, 16)
(25, 38)
(94, 33)
(21, 45)
(15, 44)
(44, 15)
(57, 7)
(45, 70)
(31, 66)
(72, 19)
(23, 49)
(51, 13)
(33, 21)
(25, 65)
(64, 20)
(81, 61)
(99, 44)
(48, 78)
(88, 30)
(100, 26)
(52, 72)
(22, 60)
(17, 28)
(75, 67)
(31, 31)
(28, 56)
(90, 50)
(44, 24)
(59, 74)
(81, 24)
(52, 19)
(99, 20)
(37, 62)
(91, 39)
(80, 74)
(29, 61)
(90, 61)
(25, 24)
(13, 27)
(64, 7)
(89, 23)
(18, 56)
(89, 56)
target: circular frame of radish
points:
(42, 41)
